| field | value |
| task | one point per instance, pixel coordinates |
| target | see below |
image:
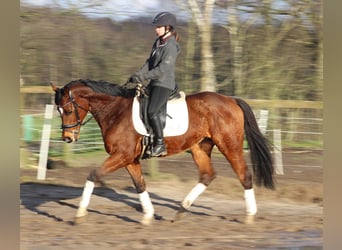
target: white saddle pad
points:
(177, 119)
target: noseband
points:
(76, 106)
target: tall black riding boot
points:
(158, 148)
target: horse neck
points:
(109, 109)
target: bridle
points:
(76, 106)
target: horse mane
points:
(105, 87)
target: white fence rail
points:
(43, 143)
(295, 132)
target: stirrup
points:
(158, 150)
(146, 147)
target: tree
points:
(202, 16)
(262, 56)
(265, 45)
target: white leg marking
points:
(251, 207)
(192, 196)
(87, 191)
(81, 211)
(147, 207)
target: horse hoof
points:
(249, 219)
(146, 220)
(182, 212)
(80, 220)
(178, 216)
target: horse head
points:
(72, 109)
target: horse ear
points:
(54, 87)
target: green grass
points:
(303, 144)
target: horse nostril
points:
(67, 139)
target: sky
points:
(116, 9)
(121, 10)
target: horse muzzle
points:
(70, 136)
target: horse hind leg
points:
(201, 154)
(245, 178)
(237, 161)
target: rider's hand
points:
(135, 78)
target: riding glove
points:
(135, 78)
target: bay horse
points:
(214, 120)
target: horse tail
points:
(258, 146)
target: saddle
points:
(143, 94)
(174, 119)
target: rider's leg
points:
(157, 104)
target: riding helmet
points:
(164, 19)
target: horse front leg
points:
(111, 164)
(85, 198)
(136, 174)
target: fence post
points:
(44, 144)
(67, 153)
(154, 168)
(278, 152)
(263, 120)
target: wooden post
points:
(263, 120)
(67, 153)
(278, 152)
(154, 168)
(44, 144)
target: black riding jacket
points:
(159, 68)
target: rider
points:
(159, 69)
